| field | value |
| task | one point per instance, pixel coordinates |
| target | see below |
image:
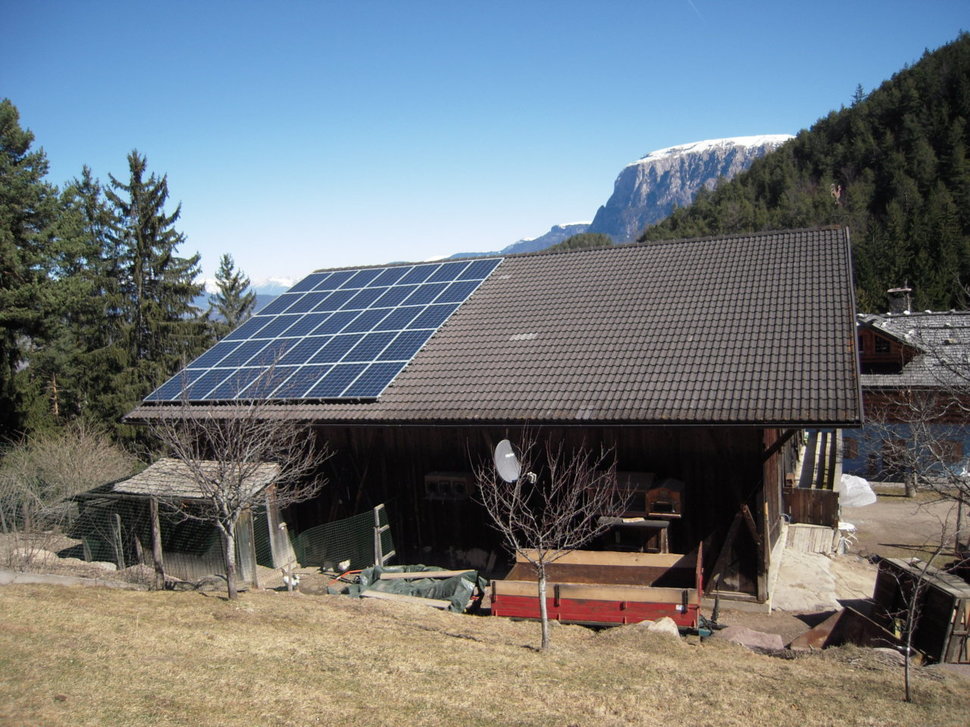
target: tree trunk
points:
(543, 610)
(157, 545)
(907, 693)
(229, 547)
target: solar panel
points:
(335, 335)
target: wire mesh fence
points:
(350, 544)
(103, 532)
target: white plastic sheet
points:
(855, 492)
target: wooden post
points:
(246, 548)
(252, 549)
(157, 544)
(378, 549)
(117, 542)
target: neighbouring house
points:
(699, 362)
(915, 373)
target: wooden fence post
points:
(118, 542)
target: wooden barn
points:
(697, 361)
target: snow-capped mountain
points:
(649, 189)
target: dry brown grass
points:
(91, 656)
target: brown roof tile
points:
(748, 329)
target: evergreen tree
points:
(583, 240)
(893, 167)
(233, 302)
(161, 329)
(28, 210)
(73, 370)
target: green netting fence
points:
(353, 543)
(114, 533)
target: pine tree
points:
(161, 328)
(28, 210)
(73, 372)
(233, 302)
(893, 167)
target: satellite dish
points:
(506, 463)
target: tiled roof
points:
(171, 478)
(943, 340)
(748, 329)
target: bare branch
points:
(225, 457)
(555, 506)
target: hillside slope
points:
(893, 167)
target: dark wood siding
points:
(722, 468)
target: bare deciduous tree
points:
(911, 589)
(39, 474)
(226, 458)
(917, 433)
(555, 506)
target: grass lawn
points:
(92, 656)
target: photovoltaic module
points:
(335, 335)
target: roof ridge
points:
(682, 240)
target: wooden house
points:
(914, 373)
(696, 361)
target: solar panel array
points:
(337, 335)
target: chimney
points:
(900, 300)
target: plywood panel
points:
(610, 557)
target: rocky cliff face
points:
(649, 189)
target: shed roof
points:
(752, 329)
(941, 340)
(172, 478)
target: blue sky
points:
(302, 135)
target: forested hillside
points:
(893, 167)
(96, 304)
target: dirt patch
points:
(896, 526)
(812, 586)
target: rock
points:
(103, 565)
(751, 639)
(666, 625)
(34, 555)
(649, 189)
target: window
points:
(882, 345)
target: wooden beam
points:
(779, 443)
(424, 574)
(714, 582)
(402, 598)
(749, 521)
(586, 591)
(610, 557)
